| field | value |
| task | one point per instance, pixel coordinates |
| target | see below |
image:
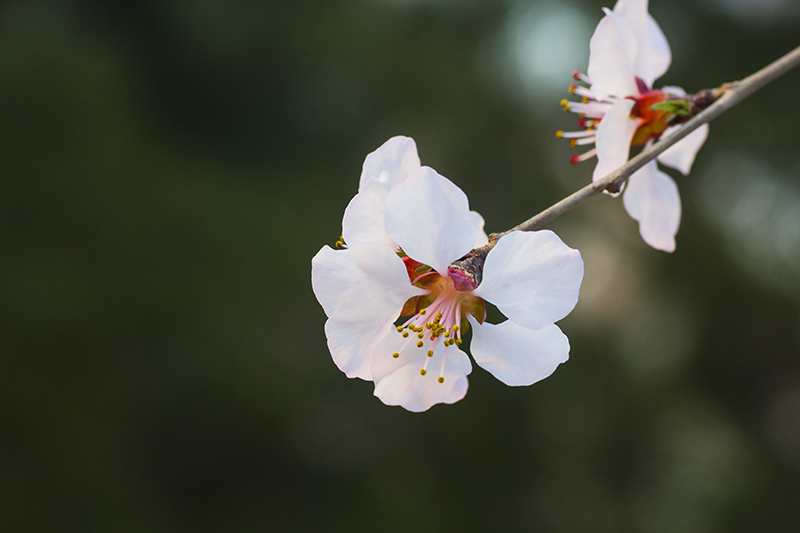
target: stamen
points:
(585, 140)
(581, 77)
(420, 344)
(430, 353)
(565, 104)
(441, 379)
(405, 334)
(575, 159)
(422, 371)
(395, 355)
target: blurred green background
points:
(168, 170)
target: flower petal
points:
(653, 55)
(532, 277)
(352, 344)
(674, 90)
(680, 155)
(516, 355)
(398, 380)
(363, 217)
(653, 200)
(614, 135)
(482, 239)
(428, 216)
(396, 159)
(612, 56)
(361, 283)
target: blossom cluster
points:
(413, 273)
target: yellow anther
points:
(585, 99)
(559, 134)
(399, 329)
(405, 334)
(572, 89)
(422, 311)
(395, 355)
(422, 371)
(430, 353)
(420, 335)
(565, 103)
(573, 142)
(441, 379)
(455, 328)
(458, 341)
(446, 333)
(419, 344)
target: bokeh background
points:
(169, 168)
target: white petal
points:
(428, 216)
(653, 55)
(398, 380)
(532, 277)
(516, 355)
(352, 344)
(361, 283)
(363, 217)
(680, 155)
(612, 56)
(482, 239)
(653, 200)
(397, 158)
(614, 136)
(674, 90)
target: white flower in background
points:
(628, 52)
(533, 279)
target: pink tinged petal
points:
(532, 277)
(680, 155)
(429, 218)
(394, 161)
(653, 55)
(352, 344)
(398, 380)
(361, 283)
(612, 56)
(613, 140)
(653, 200)
(363, 217)
(516, 355)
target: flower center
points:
(439, 316)
(653, 122)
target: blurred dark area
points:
(169, 168)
